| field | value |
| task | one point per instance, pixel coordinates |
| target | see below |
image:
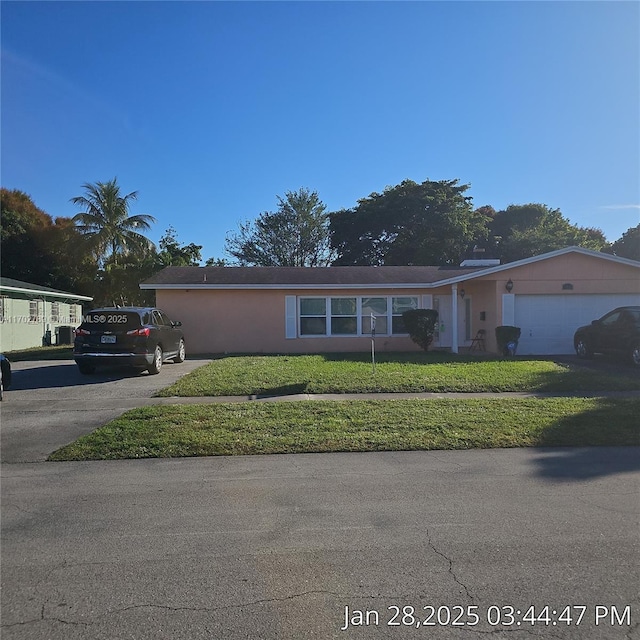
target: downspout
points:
(454, 318)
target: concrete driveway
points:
(50, 403)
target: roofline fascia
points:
(310, 287)
(45, 293)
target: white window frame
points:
(34, 317)
(328, 316)
(55, 312)
(73, 314)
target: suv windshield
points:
(112, 320)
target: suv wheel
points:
(156, 365)
(182, 354)
(635, 355)
(582, 348)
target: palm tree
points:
(107, 224)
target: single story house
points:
(32, 315)
(330, 309)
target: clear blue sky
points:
(211, 109)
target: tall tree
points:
(296, 235)
(106, 222)
(523, 231)
(628, 246)
(410, 224)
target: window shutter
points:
(427, 301)
(290, 317)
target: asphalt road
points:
(280, 547)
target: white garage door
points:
(549, 322)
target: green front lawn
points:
(62, 352)
(396, 372)
(380, 425)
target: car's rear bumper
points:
(114, 359)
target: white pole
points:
(373, 343)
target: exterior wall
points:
(587, 274)
(254, 321)
(18, 331)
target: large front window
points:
(353, 316)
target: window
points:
(350, 316)
(344, 316)
(3, 309)
(73, 314)
(376, 307)
(313, 316)
(34, 311)
(612, 318)
(400, 305)
(55, 312)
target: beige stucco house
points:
(32, 315)
(330, 309)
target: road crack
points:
(452, 573)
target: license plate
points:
(108, 339)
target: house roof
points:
(341, 277)
(9, 285)
(300, 277)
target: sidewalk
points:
(296, 397)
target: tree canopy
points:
(172, 253)
(410, 224)
(37, 249)
(628, 246)
(295, 235)
(523, 231)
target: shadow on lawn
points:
(284, 390)
(609, 437)
(411, 357)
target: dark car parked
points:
(5, 374)
(617, 333)
(139, 337)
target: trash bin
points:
(65, 335)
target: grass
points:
(61, 352)
(397, 372)
(377, 425)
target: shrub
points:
(505, 336)
(421, 325)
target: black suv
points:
(617, 332)
(139, 337)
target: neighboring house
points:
(329, 309)
(32, 316)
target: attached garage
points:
(548, 322)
